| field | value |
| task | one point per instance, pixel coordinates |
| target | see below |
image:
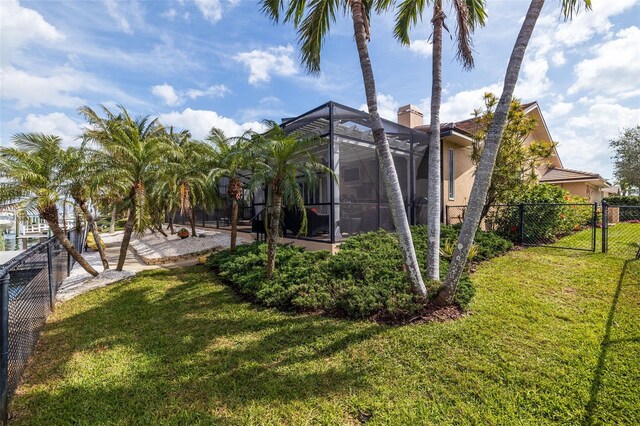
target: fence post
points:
(446, 215)
(521, 224)
(4, 345)
(594, 223)
(52, 283)
(605, 225)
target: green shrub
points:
(623, 200)
(365, 279)
(549, 212)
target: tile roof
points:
(557, 174)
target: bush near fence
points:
(629, 214)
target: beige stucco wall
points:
(463, 170)
(583, 189)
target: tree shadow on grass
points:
(606, 345)
(172, 347)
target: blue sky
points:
(197, 64)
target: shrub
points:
(91, 242)
(365, 279)
(548, 214)
(623, 200)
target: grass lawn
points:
(554, 338)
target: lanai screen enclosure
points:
(355, 201)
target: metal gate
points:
(621, 230)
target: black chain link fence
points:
(28, 285)
(568, 226)
(621, 230)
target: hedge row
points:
(365, 279)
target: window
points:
(452, 180)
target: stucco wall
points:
(463, 170)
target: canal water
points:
(9, 242)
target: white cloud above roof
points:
(614, 67)
(262, 64)
(200, 122)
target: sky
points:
(203, 63)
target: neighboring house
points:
(355, 201)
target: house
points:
(355, 201)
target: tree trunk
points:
(126, 237)
(485, 168)
(171, 215)
(159, 228)
(390, 177)
(234, 224)
(91, 224)
(192, 221)
(273, 234)
(114, 218)
(434, 183)
(51, 216)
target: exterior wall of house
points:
(583, 189)
(463, 172)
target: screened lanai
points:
(355, 201)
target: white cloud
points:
(558, 59)
(461, 105)
(55, 123)
(584, 138)
(20, 26)
(421, 47)
(215, 91)
(167, 93)
(614, 68)
(171, 97)
(120, 17)
(170, 14)
(61, 87)
(263, 63)
(387, 107)
(561, 108)
(200, 122)
(212, 10)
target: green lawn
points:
(554, 338)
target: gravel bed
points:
(156, 249)
(71, 287)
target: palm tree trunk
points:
(91, 224)
(272, 235)
(192, 221)
(171, 215)
(434, 183)
(51, 216)
(159, 228)
(126, 237)
(389, 175)
(234, 224)
(114, 218)
(485, 168)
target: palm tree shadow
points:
(605, 345)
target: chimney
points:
(410, 116)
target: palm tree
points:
(469, 14)
(31, 173)
(233, 155)
(81, 175)
(132, 148)
(186, 174)
(484, 171)
(312, 20)
(282, 162)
